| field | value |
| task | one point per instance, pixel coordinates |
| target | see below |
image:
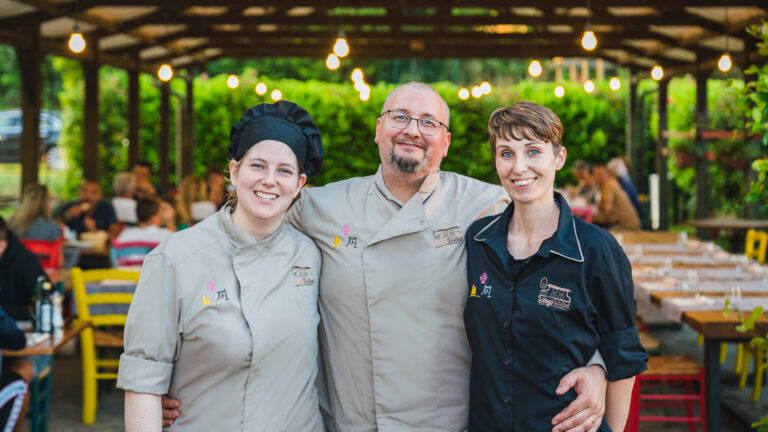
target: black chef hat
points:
(282, 121)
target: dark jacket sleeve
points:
(613, 297)
(11, 336)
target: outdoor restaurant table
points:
(711, 324)
(49, 345)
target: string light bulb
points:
(559, 91)
(464, 94)
(357, 75)
(76, 43)
(365, 93)
(359, 85)
(261, 89)
(657, 73)
(485, 86)
(614, 84)
(233, 81)
(534, 68)
(725, 63)
(332, 62)
(341, 48)
(276, 95)
(165, 72)
(589, 86)
(477, 92)
(589, 40)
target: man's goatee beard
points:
(406, 165)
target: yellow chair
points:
(97, 335)
(760, 354)
(761, 239)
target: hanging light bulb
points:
(589, 40)
(485, 86)
(463, 94)
(165, 73)
(614, 84)
(233, 82)
(76, 42)
(357, 75)
(724, 64)
(365, 93)
(359, 85)
(559, 91)
(276, 95)
(657, 73)
(332, 62)
(261, 89)
(341, 48)
(589, 86)
(477, 92)
(534, 68)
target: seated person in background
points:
(615, 210)
(149, 229)
(142, 174)
(586, 188)
(167, 211)
(90, 213)
(123, 202)
(194, 205)
(216, 183)
(33, 218)
(19, 272)
(15, 376)
(618, 168)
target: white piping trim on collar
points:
(578, 243)
(486, 227)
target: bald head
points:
(417, 87)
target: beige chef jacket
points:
(392, 294)
(227, 324)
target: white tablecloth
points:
(673, 307)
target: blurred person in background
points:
(33, 219)
(124, 188)
(615, 210)
(168, 215)
(90, 213)
(586, 188)
(193, 204)
(216, 183)
(142, 173)
(618, 168)
(149, 228)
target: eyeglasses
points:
(401, 120)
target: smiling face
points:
(527, 168)
(408, 151)
(266, 181)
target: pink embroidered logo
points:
(483, 278)
(211, 286)
(345, 230)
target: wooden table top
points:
(728, 223)
(50, 345)
(635, 237)
(714, 325)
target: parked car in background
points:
(10, 133)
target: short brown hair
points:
(525, 120)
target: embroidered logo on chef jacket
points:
(486, 292)
(447, 236)
(554, 296)
(345, 239)
(302, 276)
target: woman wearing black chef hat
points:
(224, 318)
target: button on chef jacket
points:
(529, 323)
(227, 324)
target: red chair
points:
(130, 253)
(669, 372)
(48, 252)
(583, 212)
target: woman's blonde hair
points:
(192, 190)
(35, 203)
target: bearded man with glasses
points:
(393, 286)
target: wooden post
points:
(164, 148)
(187, 151)
(632, 126)
(30, 59)
(134, 117)
(702, 165)
(662, 155)
(91, 120)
